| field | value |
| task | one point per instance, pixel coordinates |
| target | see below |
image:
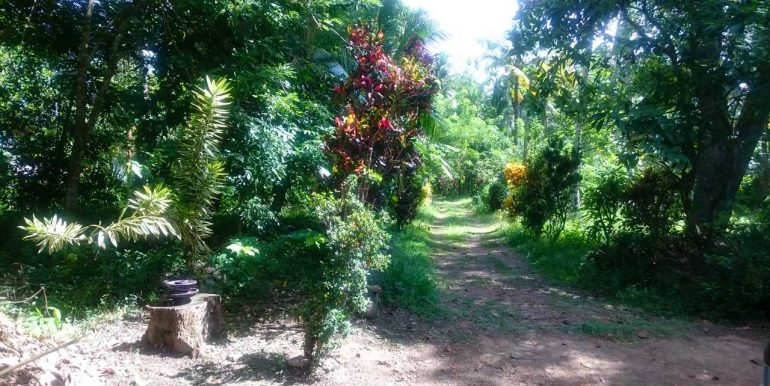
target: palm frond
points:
(134, 228)
(199, 174)
(151, 201)
(147, 219)
(53, 234)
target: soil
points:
(502, 325)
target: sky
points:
(467, 23)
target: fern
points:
(147, 219)
(199, 174)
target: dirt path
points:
(507, 326)
(503, 325)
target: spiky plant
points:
(146, 219)
(199, 173)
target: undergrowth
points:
(724, 288)
(409, 281)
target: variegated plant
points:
(146, 218)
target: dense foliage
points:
(271, 143)
(226, 109)
(543, 195)
(667, 105)
(385, 104)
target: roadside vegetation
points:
(285, 154)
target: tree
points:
(693, 85)
(104, 38)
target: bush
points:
(257, 218)
(496, 192)
(245, 269)
(355, 240)
(407, 199)
(737, 275)
(69, 277)
(650, 203)
(514, 174)
(426, 193)
(603, 204)
(543, 199)
(626, 260)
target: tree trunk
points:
(723, 161)
(279, 198)
(81, 127)
(724, 148)
(516, 105)
(764, 167)
(86, 120)
(527, 134)
(578, 146)
(584, 74)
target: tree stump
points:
(374, 310)
(185, 328)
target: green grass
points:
(565, 261)
(559, 260)
(632, 328)
(409, 281)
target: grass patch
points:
(632, 328)
(560, 260)
(659, 291)
(409, 281)
(564, 261)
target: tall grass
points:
(409, 281)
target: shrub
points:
(496, 192)
(603, 204)
(650, 203)
(257, 218)
(355, 239)
(514, 174)
(385, 105)
(245, 269)
(543, 199)
(626, 260)
(406, 199)
(426, 193)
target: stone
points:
(374, 310)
